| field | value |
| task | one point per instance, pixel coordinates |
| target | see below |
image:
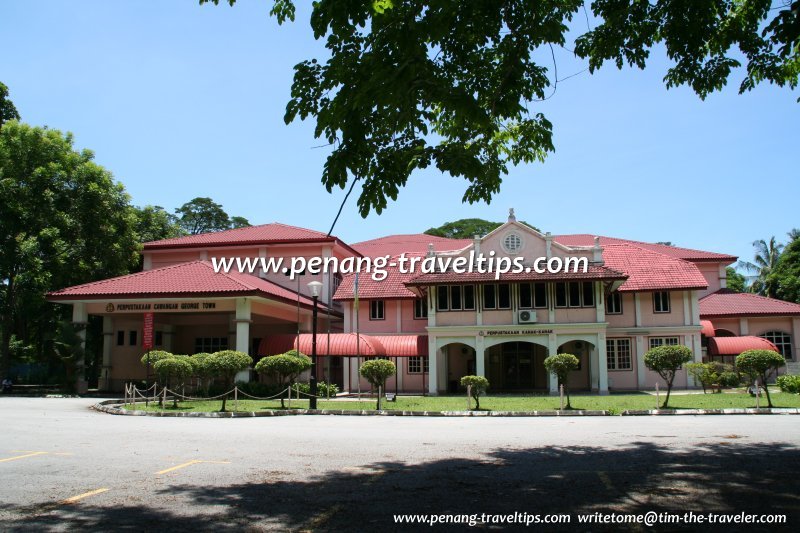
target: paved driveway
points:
(64, 466)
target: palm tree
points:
(794, 234)
(766, 257)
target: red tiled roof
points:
(391, 287)
(347, 345)
(252, 235)
(192, 279)
(728, 303)
(688, 254)
(737, 345)
(648, 270)
(450, 277)
(416, 243)
(708, 328)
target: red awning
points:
(737, 345)
(347, 345)
(708, 328)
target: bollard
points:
(469, 395)
(561, 395)
(380, 396)
(236, 398)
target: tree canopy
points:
(7, 109)
(467, 228)
(785, 277)
(455, 85)
(204, 215)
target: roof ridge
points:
(132, 274)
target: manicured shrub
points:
(285, 367)
(155, 355)
(323, 389)
(377, 371)
(478, 385)
(561, 365)
(790, 384)
(173, 371)
(666, 361)
(760, 364)
(225, 365)
(202, 370)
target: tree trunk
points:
(766, 389)
(7, 327)
(669, 389)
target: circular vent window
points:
(512, 243)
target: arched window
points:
(781, 340)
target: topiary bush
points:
(561, 365)
(478, 385)
(666, 361)
(323, 389)
(202, 370)
(155, 356)
(377, 371)
(760, 364)
(173, 371)
(790, 384)
(225, 365)
(285, 367)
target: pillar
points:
(552, 349)
(480, 356)
(104, 382)
(242, 321)
(641, 369)
(602, 363)
(432, 370)
(80, 319)
(594, 367)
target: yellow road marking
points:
(79, 497)
(190, 463)
(31, 454)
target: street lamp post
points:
(315, 287)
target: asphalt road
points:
(64, 467)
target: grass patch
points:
(615, 403)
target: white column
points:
(432, 370)
(600, 302)
(594, 367)
(80, 319)
(480, 356)
(695, 307)
(602, 363)
(637, 306)
(552, 349)
(743, 327)
(108, 339)
(346, 374)
(641, 370)
(687, 311)
(796, 338)
(242, 322)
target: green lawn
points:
(614, 402)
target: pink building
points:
(437, 326)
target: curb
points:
(110, 407)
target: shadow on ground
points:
(721, 475)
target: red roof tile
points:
(648, 270)
(728, 303)
(585, 239)
(251, 235)
(737, 345)
(391, 287)
(192, 279)
(393, 245)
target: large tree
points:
(7, 109)
(153, 223)
(203, 215)
(785, 278)
(767, 254)
(64, 220)
(735, 281)
(413, 84)
(467, 228)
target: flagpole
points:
(358, 339)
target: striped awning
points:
(347, 345)
(737, 345)
(708, 328)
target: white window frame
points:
(420, 309)
(614, 310)
(377, 310)
(781, 340)
(655, 342)
(418, 364)
(613, 354)
(659, 296)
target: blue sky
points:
(179, 101)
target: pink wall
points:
(628, 316)
(710, 271)
(651, 318)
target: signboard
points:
(162, 307)
(491, 333)
(147, 335)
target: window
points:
(614, 304)
(512, 243)
(120, 338)
(663, 341)
(575, 294)
(159, 338)
(532, 295)
(133, 338)
(376, 310)
(781, 340)
(618, 354)
(497, 296)
(418, 364)
(661, 302)
(455, 298)
(337, 280)
(420, 309)
(210, 344)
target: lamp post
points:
(315, 287)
